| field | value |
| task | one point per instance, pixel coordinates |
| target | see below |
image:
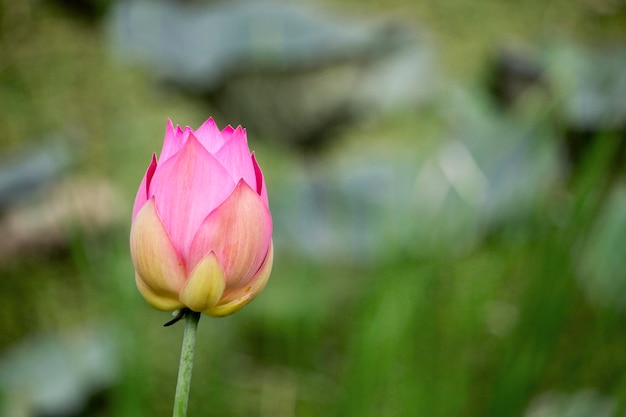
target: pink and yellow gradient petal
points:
(160, 270)
(239, 231)
(239, 297)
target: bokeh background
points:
(446, 180)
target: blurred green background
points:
(446, 180)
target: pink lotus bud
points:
(201, 235)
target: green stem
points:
(186, 364)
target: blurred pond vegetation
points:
(447, 258)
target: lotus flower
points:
(201, 235)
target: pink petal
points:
(187, 187)
(172, 142)
(142, 192)
(160, 269)
(235, 156)
(210, 136)
(260, 181)
(227, 131)
(239, 231)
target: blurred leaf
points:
(57, 374)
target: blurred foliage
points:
(473, 30)
(524, 318)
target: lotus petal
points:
(187, 187)
(235, 156)
(143, 191)
(239, 297)
(157, 262)
(205, 285)
(239, 231)
(210, 136)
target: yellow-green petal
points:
(157, 263)
(160, 302)
(205, 285)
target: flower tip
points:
(210, 122)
